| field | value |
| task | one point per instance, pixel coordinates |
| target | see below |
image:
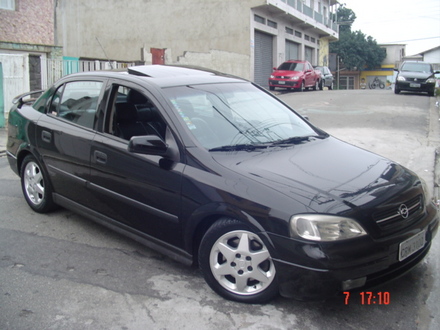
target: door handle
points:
(46, 136)
(100, 157)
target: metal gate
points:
(263, 57)
(15, 77)
(292, 50)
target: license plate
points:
(414, 85)
(281, 82)
(412, 245)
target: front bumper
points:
(415, 86)
(332, 268)
(285, 83)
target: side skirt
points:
(142, 238)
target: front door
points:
(140, 191)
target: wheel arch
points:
(204, 217)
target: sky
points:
(414, 23)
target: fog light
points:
(354, 283)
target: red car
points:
(295, 74)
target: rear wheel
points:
(237, 264)
(35, 185)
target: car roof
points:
(166, 75)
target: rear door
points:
(64, 136)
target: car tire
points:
(36, 187)
(272, 88)
(396, 90)
(236, 263)
(303, 86)
(331, 86)
(316, 86)
(321, 84)
(431, 93)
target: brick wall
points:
(31, 22)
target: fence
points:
(55, 69)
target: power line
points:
(392, 42)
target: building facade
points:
(246, 38)
(42, 40)
(26, 42)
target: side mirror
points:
(148, 145)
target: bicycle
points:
(377, 82)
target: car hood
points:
(287, 73)
(324, 175)
(417, 75)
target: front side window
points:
(220, 115)
(132, 113)
(77, 102)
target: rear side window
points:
(77, 102)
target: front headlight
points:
(430, 80)
(272, 76)
(294, 78)
(400, 78)
(324, 228)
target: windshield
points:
(235, 114)
(291, 66)
(417, 67)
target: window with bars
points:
(7, 4)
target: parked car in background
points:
(327, 79)
(217, 172)
(298, 75)
(415, 76)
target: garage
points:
(263, 55)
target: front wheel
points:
(237, 264)
(35, 185)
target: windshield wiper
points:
(299, 139)
(238, 147)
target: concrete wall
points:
(31, 22)
(395, 54)
(432, 56)
(123, 28)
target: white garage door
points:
(15, 77)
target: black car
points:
(327, 79)
(415, 76)
(213, 170)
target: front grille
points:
(399, 216)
